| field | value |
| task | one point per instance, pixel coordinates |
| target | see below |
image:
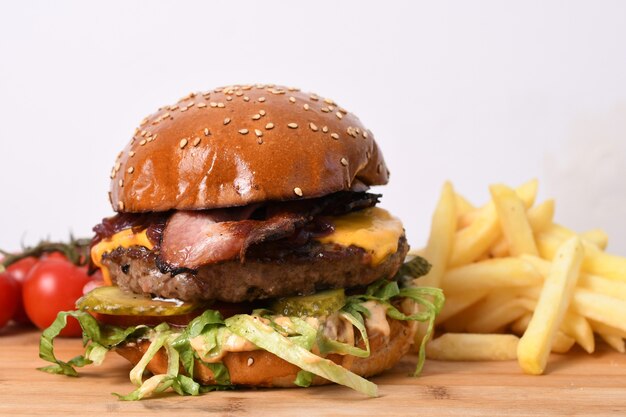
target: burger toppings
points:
(305, 342)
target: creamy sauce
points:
(377, 321)
(372, 229)
(230, 342)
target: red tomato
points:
(18, 271)
(54, 285)
(9, 296)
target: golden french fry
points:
(535, 345)
(596, 262)
(455, 303)
(615, 342)
(600, 327)
(474, 240)
(541, 216)
(513, 220)
(490, 274)
(600, 308)
(473, 347)
(494, 319)
(562, 343)
(462, 205)
(601, 285)
(576, 326)
(596, 236)
(441, 238)
(500, 249)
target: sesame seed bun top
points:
(238, 145)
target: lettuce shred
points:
(293, 339)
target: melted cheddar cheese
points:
(125, 239)
(373, 229)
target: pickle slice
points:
(322, 303)
(112, 300)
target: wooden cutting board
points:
(576, 384)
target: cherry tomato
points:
(54, 285)
(9, 296)
(18, 271)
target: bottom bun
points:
(259, 368)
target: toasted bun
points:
(239, 145)
(260, 368)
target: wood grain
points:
(576, 384)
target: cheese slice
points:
(125, 239)
(373, 229)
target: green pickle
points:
(319, 304)
(112, 300)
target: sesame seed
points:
(226, 121)
(262, 112)
(239, 93)
(183, 143)
(334, 136)
(190, 105)
(174, 107)
(130, 170)
(196, 141)
(120, 205)
(143, 133)
(250, 361)
(328, 101)
(246, 87)
(344, 162)
(339, 115)
(131, 153)
(365, 134)
(313, 127)
(213, 104)
(269, 126)
(258, 132)
(331, 108)
(314, 97)
(117, 166)
(229, 98)
(201, 105)
(256, 117)
(143, 122)
(292, 125)
(143, 142)
(183, 109)
(207, 132)
(243, 131)
(325, 109)
(368, 155)
(378, 169)
(221, 105)
(292, 99)
(206, 93)
(306, 106)
(325, 129)
(259, 141)
(298, 191)
(293, 89)
(120, 183)
(341, 109)
(261, 99)
(246, 98)
(112, 175)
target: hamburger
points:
(247, 250)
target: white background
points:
(475, 92)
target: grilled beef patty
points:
(269, 271)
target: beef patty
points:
(300, 271)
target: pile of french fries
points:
(518, 285)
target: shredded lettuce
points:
(265, 337)
(304, 379)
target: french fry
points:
(596, 262)
(513, 221)
(596, 236)
(441, 238)
(562, 342)
(615, 342)
(601, 285)
(535, 345)
(578, 327)
(495, 319)
(491, 274)
(473, 347)
(600, 308)
(474, 240)
(456, 303)
(439, 247)
(600, 327)
(462, 205)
